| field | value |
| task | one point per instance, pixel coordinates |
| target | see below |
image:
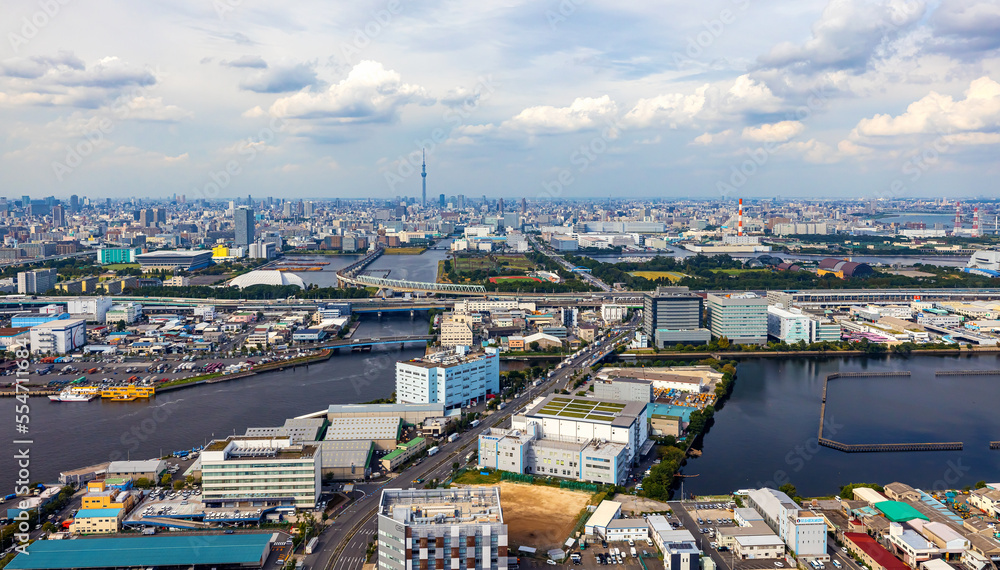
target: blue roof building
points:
(250, 550)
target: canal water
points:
(422, 267)
(766, 432)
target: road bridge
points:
(369, 342)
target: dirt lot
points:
(635, 505)
(540, 516)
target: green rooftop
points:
(581, 409)
(144, 551)
(896, 511)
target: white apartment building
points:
(452, 378)
(803, 531)
(260, 472)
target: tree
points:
(980, 484)
(790, 490)
(178, 485)
(723, 343)
(165, 480)
(534, 346)
(143, 483)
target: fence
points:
(578, 486)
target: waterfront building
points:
(261, 472)
(411, 414)
(452, 378)
(742, 318)
(59, 336)
(114, 255)
(345, 459)
(383, 432)
(789, 326)
(803, 531)
(623, 389)
(297, 429)
(150, 469)
(458, 529)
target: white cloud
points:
(812, 150)
(151, 109)
(937, 113)
(724, 101)
(280, 78)
(774, 132)
(584, 113)
(254, 112)
(369, 94)
(706, 139)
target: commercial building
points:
(623, 389)
(455, 333)
(450, 378)
(679, 547)
(803, 531)
(243, 219)
(742, 318)
(150, 469)
(260, 472)
(613, 313)
(346, 459)
(112, 255)
(37, 281)
(161, 552)
(97, 521)
(458, 529)
(189, 260)
(673, 315)
(58, 337)
(621, 530)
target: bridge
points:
(370, 342)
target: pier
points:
(967, 373)
(878, 447)
(995, 445)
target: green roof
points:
(225, 549)
(896, 511)
(582, 409)
(412, 442)
(97, 513)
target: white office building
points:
(742, 318)
(613, 313)
(450, 378)
(788, 325)
(127, 312)
(260, 472)
(93, 309)
(803, 531)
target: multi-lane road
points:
(343, 546)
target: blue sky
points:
(536, 99)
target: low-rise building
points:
(260, 472)
(97, 521)
(404, 452)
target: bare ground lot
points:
(540, 516)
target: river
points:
(421, 267)
(766, 432)
(939, 260)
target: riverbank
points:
(261, 369)
(722, 355)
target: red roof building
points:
(872, 553)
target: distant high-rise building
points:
(25, 201)
(287, 210)
(500, 206)
(74, 204)
(244, 222)
(524, 206)
(461, 201)
(159, 216)
(308, 209)
(441, 200)
(58, 220)
(300, 209)
(147, 217)
(423, 176)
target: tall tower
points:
(958, 216)
(739, 223)
(423, 175)
(975, 222)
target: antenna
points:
(423, 175)
(739, 230)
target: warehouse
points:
(383, 432)
(345, 460)
(162, 552)
(297, 429)
(58, 337)
(148, 469)
(176, 258)
(403, 453)
(411, 414)
(598, 522)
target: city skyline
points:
(848, 98)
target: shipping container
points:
(311, 545)
(452, 437)
(432, 450)
(473, 423)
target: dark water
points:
(327, 277)
(71, 435)
(421, 267)
(766, 433)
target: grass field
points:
(673, 276)
(514, 278)
(740, 271)
(474, 477)
(524, 506)
(117, 266)
(404, 250)
(516, 262)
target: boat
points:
(71, 396)
(127, 393)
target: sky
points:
(541, 99)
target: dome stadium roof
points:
(267, 277)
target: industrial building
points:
(742, 318)
(623, 389)
(260, 472)
(189, 260)
(137, 469)
(404, 452)
(113, 255)
(411, 414)
(843, 268)
(345, 459)
(161, 552)
(296, 429)
(58, 337)
(679, 547)
(458, 529)
(93, 309)
(572, 438)
(684, 378)
(792, 325)
(602, 516)
(673, 315)
(451, 378)
(803, 531)
(383, 432)
(126, 312)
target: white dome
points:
(267, 277)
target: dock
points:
(967, 373)
(879, 447)
(995, 445)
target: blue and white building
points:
(453, 378)
(803, 531)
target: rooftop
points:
(144, 551)
(442, 506)
(364, 428)
(588, 409)
(875, 550)
(97, 513)
(896, 511)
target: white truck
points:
(452, 437)
(473, 423)
(311, 545)
(432, 450)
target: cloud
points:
(35, 67)
(967, 27)
(280, 79)
(936, 113)
(584, 113)
(846, 35)
(152, 109)
(65, 80)
(254, 112)
(706, 139)
(369, 94)
(811, 150)
(709, 103)
(247, 61)
(775, 132)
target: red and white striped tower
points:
(975, 222)
(739, 224)
(958, 216)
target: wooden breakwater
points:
(875, 447)
(967, 373)
(995, 445)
